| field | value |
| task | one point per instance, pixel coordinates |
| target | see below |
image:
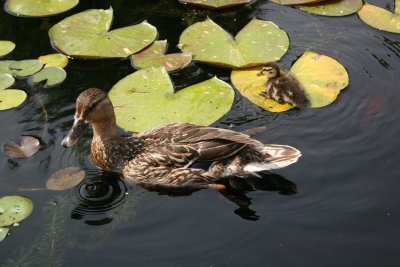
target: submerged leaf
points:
(5, 66)
(6, 47)
(217, 3)
(296, 2)
(333, 8)
(3, 233)
(154, 56)
(52, 76)
(146, 99)
(24, 68)
(65, 178)
(380, 18)
(258, 42)
(87, 35)
(6, 80)
(11, 98)
(14, 209)
(39, 8)
(54, 60)
(29, 146)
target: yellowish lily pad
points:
(296, 2)
(380, 18)
(11, 98)
(3, 233)
(146, 99)
(321, 76)
(87, 35)
(27, 67)
(39, 8)
(14, 209)
(216, 3)
(154, 56)
(258, 42)
(6, 80)
(6, 47)
(54, 60)
(334, 8)
(5, 66)
(65, 178)
(51, 76)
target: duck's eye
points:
(94, 104)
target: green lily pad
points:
(54, 60)
(3, 233)
(216, 3)
(146, 99)
(296, 2)
(29, 146)
(39, 8)
(154, 56)
(24, 68)
(14, 209)
(335, 8)
(65, 178)
(258, 42)
(6, 80)
(5, 66)
(11, 98)
(321, 76)
(380, 18)
(87, 35)
(52, 76)
(6, 47)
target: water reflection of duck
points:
(283, 87)
(162, 155)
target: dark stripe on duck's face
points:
(76, 131)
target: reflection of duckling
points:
(283, 87)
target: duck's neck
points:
(105, 129)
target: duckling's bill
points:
(76, 131)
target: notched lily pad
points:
(6, 47)
(24, 68)
(296, 2)
(29, 146)
(87, 35)
(5, 66)
(3, 233)
(154, 56)
(51, 76)
(258, 42)
(6, 80)
(321, 76)
(39, 8)
(14, 209)
(216, 3)
(380, 18)
(11, 98)
(65, 178)
(146, 99)
(335, 8)
(54, 60)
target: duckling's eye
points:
(94, 104)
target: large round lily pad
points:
(65, 178)
(335, 8)
(6, 47)
(29, 146)
(380, 18)
(216, 3)
(87, 35)
(3, 233)
(5, 66)
(296, 2)
(27, 67)
(54, 60)
(258, 42)
(6, 80)
(321, 76)
(14, 209)
(51, 76)
(154, 56)
(11, 98)
(39, 8)
(146, 99)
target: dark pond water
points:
(346, 211)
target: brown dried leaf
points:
(65, 178)
(29, 146)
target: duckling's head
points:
(92, 107)
(271, 70)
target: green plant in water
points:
(380, 18)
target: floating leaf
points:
(333, 8)
(39, 8)
(65, 178)
(24, 68)
(5, 66)
(380, 18)
(146, 99)
(296, 2)
(52, 76)
(14, 209)
(29, 146)
(6, 80)
(11, 98)
(258, 42)
(87, 35)
(6, 47)
(216, 3)
(154, 56)
(3, 233)
(54, 60)
(321, 76)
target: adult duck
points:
(163, 155)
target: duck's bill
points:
(77, 130)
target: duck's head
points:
(271, 70)
(92, 107)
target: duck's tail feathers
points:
(275, 157)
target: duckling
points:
(162, 156)
(283, 87)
